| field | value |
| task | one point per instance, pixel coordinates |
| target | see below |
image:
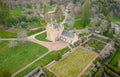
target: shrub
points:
(5, 73)
(47, 73)
(100, 72)
(23, 24)
(57, 55)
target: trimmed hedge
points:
(114, 69)
(111, 73)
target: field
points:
(4, 34)
(42, 37)
(115, 19)
(73, 64)
(15, 58)
(42, 62)
(16, 12)
(114, 61)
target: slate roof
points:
(55, 25)
(67, 34)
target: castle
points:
(56, 32)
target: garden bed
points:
(94, 45)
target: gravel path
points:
(50, 45)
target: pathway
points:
(22, 69)
(50, 45)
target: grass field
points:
(114, 61)
(15, 58)
(73, 64)
(4, 34)
(42, 37)
(42, 62)
(115, 19)
(78, 24)
(16, 12)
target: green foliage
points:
(86, 13)
(47, 73)
(58, 13)
(6, 73)
(57, 55)
(42, 37)
(114, 60)
(78, 24)
(42, 62)
(4, 14)
(4, 34)
(51, 2)
(23, 24)
(96, 60)
(110, 72)
(19, 56)
(99, 72)
(74, 1)
(114, 69)
(16, 12)
(35, 31)
(115, 19)
(96, 45)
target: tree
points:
(51, 2)
(57, 55)
(6, 73)
(22, 36)
(86, 12)
(74, 1)
(58, 12)
(4, 13)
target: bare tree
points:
(22, 36)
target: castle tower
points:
(54, 31)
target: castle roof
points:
(55, 25)
(67, 34)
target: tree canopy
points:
(86, 13)
(4, 13)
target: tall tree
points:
(51, 2)
(58, 12)
(4, 13)
(74, 1)
(86, 12)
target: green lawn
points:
(73, 64)
(115, 19)
(4, 34)
(42, 62)
(78, 24)
(42, 37)
(114, 61)
(16, 12)
(19, 56)
(34, 32)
